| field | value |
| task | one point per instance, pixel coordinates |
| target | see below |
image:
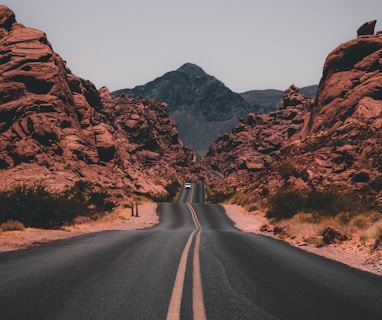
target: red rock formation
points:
(55, 127)
(367, 28)
(247, 156)
(333, 235)
(147, 136)
(335, 141)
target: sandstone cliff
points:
(336, 140)
(58, 128)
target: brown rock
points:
(7, 17)
(367, 28)
(333, 235)
(334, 140)
(55, 128)
(104, 142)
(293, 98)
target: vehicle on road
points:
(187, 185)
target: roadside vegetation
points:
(173, 190)
(306, 214)
(223, 194)
(38, 207)
(309, 213)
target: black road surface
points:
(154, 274)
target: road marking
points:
(198, 309)
(197, 288)
(192, 192)
(173, 312)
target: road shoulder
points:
(120, 219)
(352, 253)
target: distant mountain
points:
(265, 101)
(202, 106)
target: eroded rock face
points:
(56, 128)
(247, 156)
(38, 111)
(334, 141)
(147, 137)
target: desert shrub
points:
(173, 190)
(286, 169)
(36, 206)
(251, 207)
(345, 217)
(240, 199)
(218, 194)
(11, 225)
(330, 202)
(171, 194)
(285, 204)
(373, 232)
(304, 218)
(360, 221)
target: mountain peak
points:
(191, 68)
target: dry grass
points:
(12, 225)
(373, 232)
(307, 227)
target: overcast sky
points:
(247, 44)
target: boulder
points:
(333, 235)
(367, 28)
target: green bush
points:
(35, 206)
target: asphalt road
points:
(193, 265)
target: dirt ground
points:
(121, 219)
(354, 253)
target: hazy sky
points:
(247, 44)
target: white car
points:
(187, 185)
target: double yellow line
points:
(198, 308)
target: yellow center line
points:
(197, 288)
(198, 309)
(173, 312)
(192, 193)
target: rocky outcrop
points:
(265, 101)
(58, 128)
(147, 136)
(202, 106)
(247, 156)
(336, 140)
(343, 136)
(367, 28)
